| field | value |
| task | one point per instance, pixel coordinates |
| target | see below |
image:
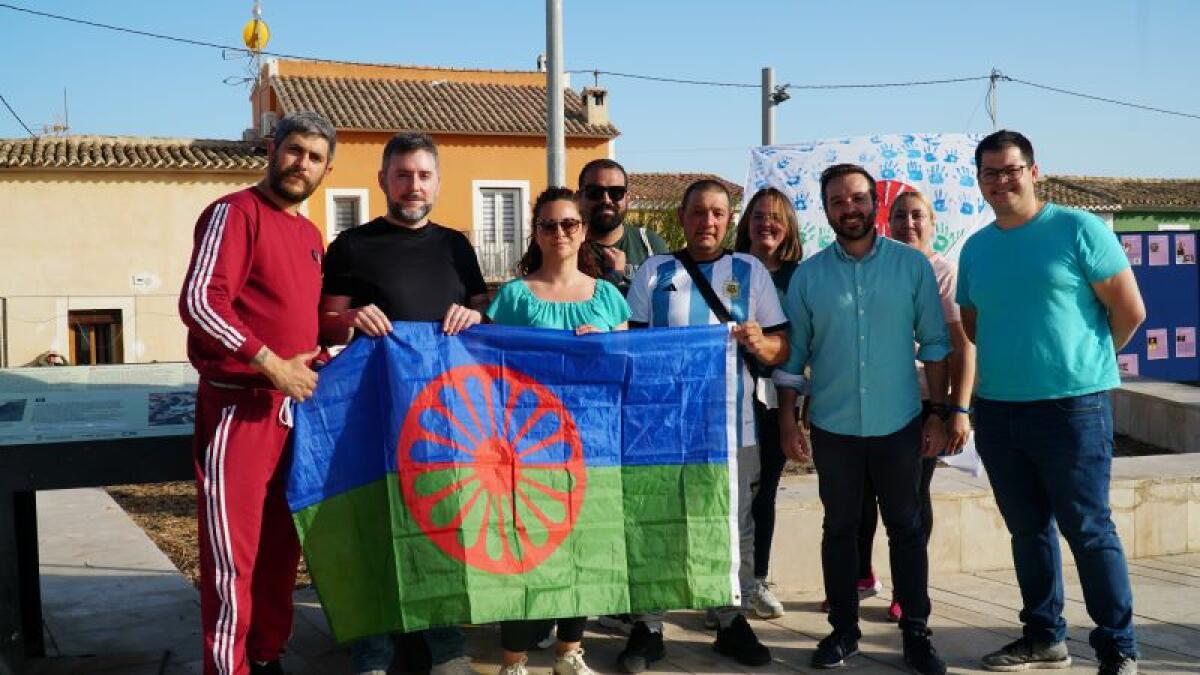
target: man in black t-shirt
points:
(622, 247)
(404, 267)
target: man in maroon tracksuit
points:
(250, 301)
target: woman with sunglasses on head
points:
(768, 230)
(557, 288)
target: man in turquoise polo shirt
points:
(855, 310)
(1048, 297)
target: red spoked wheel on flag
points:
(491, 468)
(886, 192)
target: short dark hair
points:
(705, 185)
(1002, 139)
(404, 143)
(599, 164)
(839, 170)
(305, 123)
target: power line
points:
(672, 80)
(745, 85)
(17, 117)
(161, 36)
(1101, 98)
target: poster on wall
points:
(1156, 344)
(1185, 249)
(1160, 252)
(1185, 342)
(1127, 364)
(938, 165)
(53, 405)
(1132, 243)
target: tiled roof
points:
(443, 106)
(1131, 194)
(663, 190)
(121, 152)
(1068, 193)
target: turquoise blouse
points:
(516, 305)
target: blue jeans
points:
(1050, 462)
(376, 652)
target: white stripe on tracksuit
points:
(225, 576)
(197, 289)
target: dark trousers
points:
(1049, 463)
(762, 508)
(520, 636)
(893, 464)
(870, 519)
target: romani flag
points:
(511, 473)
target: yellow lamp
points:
(255, 35)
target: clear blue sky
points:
(1144, 51)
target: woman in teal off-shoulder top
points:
(557, 288)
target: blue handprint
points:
(967, 208)
(760, 184)
(889, 170)
(965, 178)
(794, 179)
(767, 152)
(980, 205)
(937, 174)
(863, 158)
(888, 151)
(939, 201)
(806, 147)
(800, 201)
(951, 157)
(932, 139)
(908, 139)
(930, 153)
(783, 163)
(875, 140)
(831, 155)
(911, 150)
(844, 141)
(914, 172)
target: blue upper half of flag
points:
(641, 397)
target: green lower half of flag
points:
(645, 538)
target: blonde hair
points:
(911, 194)
(790, 250)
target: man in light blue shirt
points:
(1048, 298)
(855, 309)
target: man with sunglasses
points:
(1048, 297)
(404, 267)
(622, 247)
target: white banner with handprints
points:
(939, 165)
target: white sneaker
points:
(572, 663)
(765, 604)
(711, 621)
(517, 668)
(457, 666)
(547, 641)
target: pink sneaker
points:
(869, 587)
(894, 613)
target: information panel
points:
(1164, 347)
(68, 403)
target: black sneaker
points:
(268, 668)
(643, 648)
(739, 642)
(920, 655)
(834, 649)
(1118, 664)
(1024, 654)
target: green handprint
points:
(944, 238)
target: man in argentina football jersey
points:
(661, 295)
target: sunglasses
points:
(596, 192)
(569, 226)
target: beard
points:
(601, 222)
(409, 216)
(275, 179)
(848, 230)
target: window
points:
(345, 208)
(498, 213)
(96, 337)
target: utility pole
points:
(556, 148)
(768, 106)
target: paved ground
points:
(115, 605)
